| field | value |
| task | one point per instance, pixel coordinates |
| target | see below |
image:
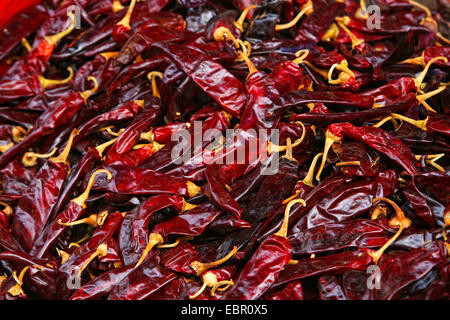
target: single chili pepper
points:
(263, 268)
(60, 112)
(73, 211)
(408, 101)
(36, 204)
(296, 98)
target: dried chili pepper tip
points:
(200, 267)
(400, 221)
(81, 199)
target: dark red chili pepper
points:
(36, 204)
(263, 268)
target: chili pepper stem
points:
(418, 81)
(342, 23)
(94, 220)
(18, 134)
(17, 290)
(4, 148)
(209, 280)
(240, 21)
(421, 98)
(308, 180)
(101, 148)
(446, 224)
(29, 159)
(251, 67)
(153, 240)
(421, 124)
(417, 60)
(216, 287)
(54, 39)
(86, 94)
(81, 199)
(200, 267)
(46, 83)
(301, 56)
(307, 9)
(400, 221)
(152, 77)
(329, 141)
(102, 250)
(192, 189)
(274, 148)
(62, 158)
(284, 227)
(125, 22)
(117, 6)
(224, 34)
(348, 163)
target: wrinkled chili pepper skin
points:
(335, 263)
(358, 233)
(263, 268)
(36, 204)
(137, 181)
(226, 89)
(420, 262)
(142, 282)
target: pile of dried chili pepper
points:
(351, 202)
